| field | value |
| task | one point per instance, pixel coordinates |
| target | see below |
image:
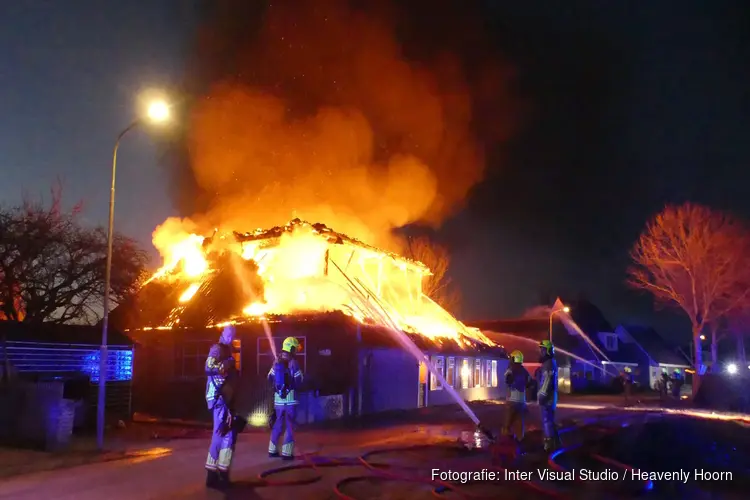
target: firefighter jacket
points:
(518, 380)
(296, 377)
(547, 394)
(222, 374)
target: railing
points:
(55, 361)
(67, 360)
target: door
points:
(422, 392)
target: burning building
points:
(346, 301)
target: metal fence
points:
(55, 361)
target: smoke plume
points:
(317, 109)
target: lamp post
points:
(157, 112)
(564, 309)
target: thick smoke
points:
(316, 112)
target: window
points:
(265, 353)
(487, 373)
(190, 359)
(465, 373)
(477, 373)
(610, 342)
(237, 353)
(494, 373)
(439, 363)
(450, 373)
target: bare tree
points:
(738, 323)
(692, 257)
(52, 268)
(438, 286)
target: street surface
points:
(175, 469)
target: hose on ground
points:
(381, 471)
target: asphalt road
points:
(177, 471)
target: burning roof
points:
(297, 269)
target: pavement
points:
(173, 468)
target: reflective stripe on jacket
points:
(520, 379)
(547, 394)
(297, 377)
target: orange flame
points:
(304, 271)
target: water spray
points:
(481, 433)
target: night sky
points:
(631, 105)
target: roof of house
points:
(324, 231)
(320, 323)
(527, 333)
(220, 296)
(52, 333)
(586, 316)
(625, 353)
(657, 348)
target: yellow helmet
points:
(289, 344)
(517, 356)
(627, 369)
(547, 346)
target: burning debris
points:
(296, 269)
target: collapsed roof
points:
(291, 271)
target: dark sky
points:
(633, 105)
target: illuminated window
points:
(237, 353)
(487, 373)
(439, 364)
(450, 373)
(477, 373)
(465, 373)
(494, 373)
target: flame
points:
(310, 270)
(188, 294)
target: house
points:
(69, 354)
(589, 353)
(655, 352)
(367, 332)
(524, 334)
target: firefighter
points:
(286, 377)
(664, 385)
(518, 380)
(547, 394)
(220, 388)
(676, 384)
(627, 384)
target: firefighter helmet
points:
(547, 346)
(290, 345)
(516, 356)
(627, 369)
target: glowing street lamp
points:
(732, 368)
(702, 337)
(157, 112)
(563, 309)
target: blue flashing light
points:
(649, 485)
(119, 365)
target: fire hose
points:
(380, 471)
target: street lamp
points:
(564, 309)
(157, 112)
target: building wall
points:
(390, 380)
(489, 386)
